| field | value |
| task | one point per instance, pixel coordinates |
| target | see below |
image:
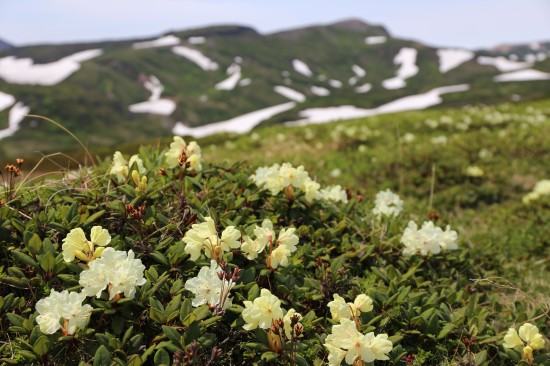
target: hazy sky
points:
(466, 23)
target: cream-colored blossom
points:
(208, 287)
(428, 239)
(119, 168)
(387, 204)
(542, 188)
(135, 159)
(528, 340)
(251, 248)
(334, 194)
(204, 236)
(265, 234)
(182, 153)
(339, 309)
(311, 190)
(288, 239)
(346, 338)
(230, 238)
(474, 171)
(63, 307)
(76, 243)
(363, 303)
(262, 311)
(279, 257)
(512, 340)
(119, 271)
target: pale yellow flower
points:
(262, 311)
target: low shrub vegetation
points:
(172, 256)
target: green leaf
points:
(162, 358)
(92, 218)
(447, 328)
(269, 356)
(253, 292)
(102, 356)
(22, 257)
(172, 334)
(41, 346)
(134, 360)
(156, 311)
(34, 244)
(481, 357)
(127, 335)
(185, 310)
(47, 262)
(192, 333)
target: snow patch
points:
(290, 93)
(502, 63)
(358, 71)
(302, 68)
(409, 103)
(375, 40)
(523, 75)
(320, 91)
(6, 100)
(196, 40)
(335, 83)
(451, 58)
(195, 56)
(16, 115)
(365, 88)
(165, 41)
(154, 105)
(406, 58)
(240, 124)
(163, 107)
(231, 82)
(24, 71)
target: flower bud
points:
(274, 341)
(98, 252)
(80, 255)
(289, 193)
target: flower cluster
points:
(334, 194)
(77, 245)
(339, 309)
(212, 286)
(121, 168)
(204, 236)
(62, 305)
(116, 270)
(262, 311)
(387, 204)
(428, 239)
(278, 178)
(542, 188)
(265, 311)
(280, 248)
(347, 343)
(185, 155)
(528, 340)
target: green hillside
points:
(93, 102)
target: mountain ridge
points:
(205, 75)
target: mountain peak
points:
(352, 24)
(4, 45)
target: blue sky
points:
(465, 23)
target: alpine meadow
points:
(329, 195)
